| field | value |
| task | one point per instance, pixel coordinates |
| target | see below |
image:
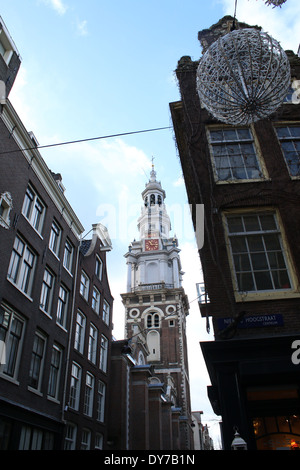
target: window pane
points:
(235, 224)
(238, 245)
(282, 131)
(259, 261)
(281, 280)
(230, 134)
(295, 131)
(251, 223)
(272, 241)
(242, 262)
(267, 222)
(245, 282)
(263, 280)
(216, 135)
(255, 243)
(244, 134)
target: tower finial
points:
(153, 172)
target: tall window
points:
(103, 353)
(89, 394)
(35, 439)
(96, 300)
(54, 240)
(100, 401)
(33, 209)
(21, 266)
(234, 154)
(98, 269)
(105, 315)
(84, 286)
(11, 333)
(257, 252)
(289, 137)
(55, 371)
(47, 292)
(85, 439)
(68, 255)
(92, 348)
(152, 320)
(75, 386)
(98, 441)
(62, 306)
(80, 332)
(37, 360)
(70, 439)
(5, 209)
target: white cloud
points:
(179, 182)
(57, 5)
(283, 24)
(82, 28)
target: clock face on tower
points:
(151, 244)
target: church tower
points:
(156, 305)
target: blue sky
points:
(96, 67)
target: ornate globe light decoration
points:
(243, 77)
(275, 3)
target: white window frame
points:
(96, 298)
(47, 291)
(12, 330)
(295, 141)
(99, 441)
(92, 346)
(54, 239)
(55, 372)
(80, 331)
(101, 396)
(34, 209)
(99, 268)
(103, 353)
(62, 306)
(89, 394)
(152, 320)
(106, 312)
(68, 256)
(76, 373)
(5, 208)
(259, 168)
(259, 294)
(85, 439)
(84, 285)
(38, 353)
(22, 266)
(70, 437)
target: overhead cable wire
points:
(86, 140)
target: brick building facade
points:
(250, 258)
(48, 278)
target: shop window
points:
(277, 432)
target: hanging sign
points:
(253, 321)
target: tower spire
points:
(153, 172)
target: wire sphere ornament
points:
(276, 3)
(243, 77)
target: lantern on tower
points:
(243, 77)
